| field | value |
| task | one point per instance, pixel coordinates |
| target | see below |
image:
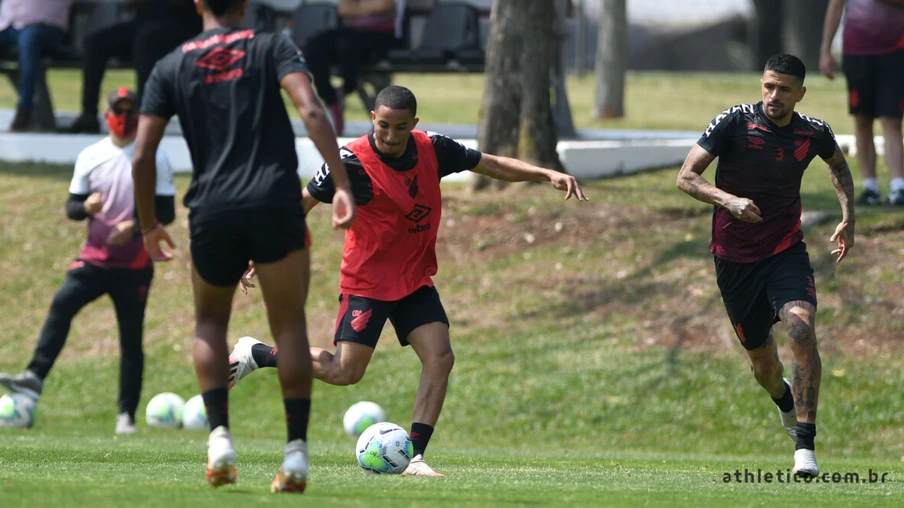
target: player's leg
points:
(281, 255)
(792, 291)
(359, 324)
(129, 291)
(420, 320)
(858, 71)
(83, 284)
(743, 290)
(769, 371)
(220, 253)
(284, 285)
(213, 304)
(358, 327)
(890, 109)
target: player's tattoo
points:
(843, 182)
(807, 368)
(806, 388)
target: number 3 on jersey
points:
(779, 154)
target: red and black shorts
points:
(754, 293)
(875, 84)
(361, 320)
(222, 245)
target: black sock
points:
(806, 433)
(264, 355)
(420, 436)
(298, 411)
(786, 403)
(216, 403)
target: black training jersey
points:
(765, 163)
(224, 85)
(451, 156)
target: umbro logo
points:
(418, 213)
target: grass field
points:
(595, 365)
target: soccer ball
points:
(384, 448)
(164, 411)
(17, 411)
(361, 416)
(195, 415)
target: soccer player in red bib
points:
(762, 267)
(390, 254)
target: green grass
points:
(670, 101)
(594, 366)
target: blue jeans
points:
(33, 41)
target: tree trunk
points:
(768, 30)
(803, 30)
(498, 130)
(537, 137)
(611, 55)
(516, 120)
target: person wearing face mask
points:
(113, 259)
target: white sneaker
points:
(293, 476)
(220, 458)
(805, 464)
(789, 419)
(125, 424)
(417, 467)
(241, 363)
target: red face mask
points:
(122, 125)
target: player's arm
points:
(321, 133)
(843, 182)
(829, 29)
(308, 202)
(691, 181)
(514, 170)
(144, 177)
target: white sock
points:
(897, 184)
(871, 184)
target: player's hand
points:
(122, 233)
(94, 204)
(152, 239)
(844, 235)
(743, 209)
(827, 65)
(246, 278)
(343, 209)
(568, 184)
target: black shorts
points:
(361, 319)
(221, 246)
(875, 84)
(754, 293)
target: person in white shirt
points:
(113, 259)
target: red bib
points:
(390, 251)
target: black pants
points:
(347, 48)
(141, 42)
(83, 284)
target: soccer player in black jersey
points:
(762, 267)
(245, 205)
